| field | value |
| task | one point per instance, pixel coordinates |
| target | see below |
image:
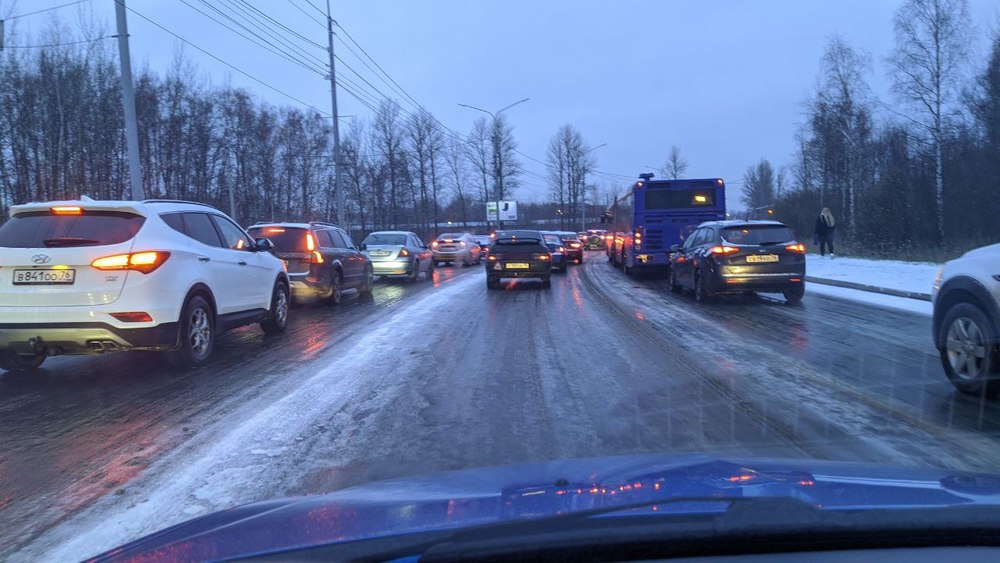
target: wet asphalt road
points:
(445, 375)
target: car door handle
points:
(242, 263)
(204, 259)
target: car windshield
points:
(285, 239)
(757, 234)
(756, 240)
(390, 239)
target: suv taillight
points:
(142, 262)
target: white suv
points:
(967, 320)
(86, 277)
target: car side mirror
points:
(263, 245)
(425, 247)
(675, 248)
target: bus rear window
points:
(679, 199)
(41, 229)
(285, 239)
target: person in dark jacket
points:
(825, 226)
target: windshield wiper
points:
(69, 241)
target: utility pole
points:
(336, 123)
(128, 104)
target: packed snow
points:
(915, 277)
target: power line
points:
(315, 7)
(230, 65)
(282, 26)
(267, 29)
(274, 50)
(46, 10)
(308, 15)
(57, 44)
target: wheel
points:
(336, 288)
(611, 259)
(969, 356)
(674, 286)
(547, 281)
(701, 293)
(368, 284)
(430, 271)
(277, 318)
(196, 334)
(20, 362)
(793, 294)
(492, 282)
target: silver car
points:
(398, 253)
(450, 248)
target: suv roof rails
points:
(326, 224)
(176, 201)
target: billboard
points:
(508, 211)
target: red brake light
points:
(724, 249)
(310, 242)
(143, 262)
(435, 244)
(316, 257)
(492, 257)
(136, 317)
(66, 210)
(797, 247)
(543, 256)
(561, 249)
(403, 253)
(575, 244)
(274, 230)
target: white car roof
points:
(146, 207)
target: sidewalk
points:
(901, 285)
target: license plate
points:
(758, 258)
(518, 265)
(44, 277)
(380, 253)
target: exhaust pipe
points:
(38, 346)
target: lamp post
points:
(497, 157)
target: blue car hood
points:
(461, 499)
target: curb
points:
(871, 288)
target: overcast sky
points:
(725, 80)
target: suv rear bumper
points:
(84, 338)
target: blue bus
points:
(653, 215)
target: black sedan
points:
(740, 256)
(518, 254)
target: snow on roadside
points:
(891, 274)
(234, 462)
(868, 297)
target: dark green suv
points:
(518, 254)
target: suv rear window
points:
(757, 234)
(41, 229)
(285, 239)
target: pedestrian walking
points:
(825, 227)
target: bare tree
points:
(759, 186)
(932, 43)
(676, 165)
(454, 158)
(388, 140)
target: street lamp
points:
(497, 160)
(583, 225)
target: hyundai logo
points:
(41, 258)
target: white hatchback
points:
(88, 277)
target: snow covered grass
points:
(904, 276)
(891, 274)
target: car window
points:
(415, 241)
(692, 240)
(348, 241)
(91, 228)
(385, 238)
(233, 237)
(325, 238)
(338, 241)
(758, 234)
(199, 227)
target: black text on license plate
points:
(44, 277)
(759, 258)
(518, 265)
